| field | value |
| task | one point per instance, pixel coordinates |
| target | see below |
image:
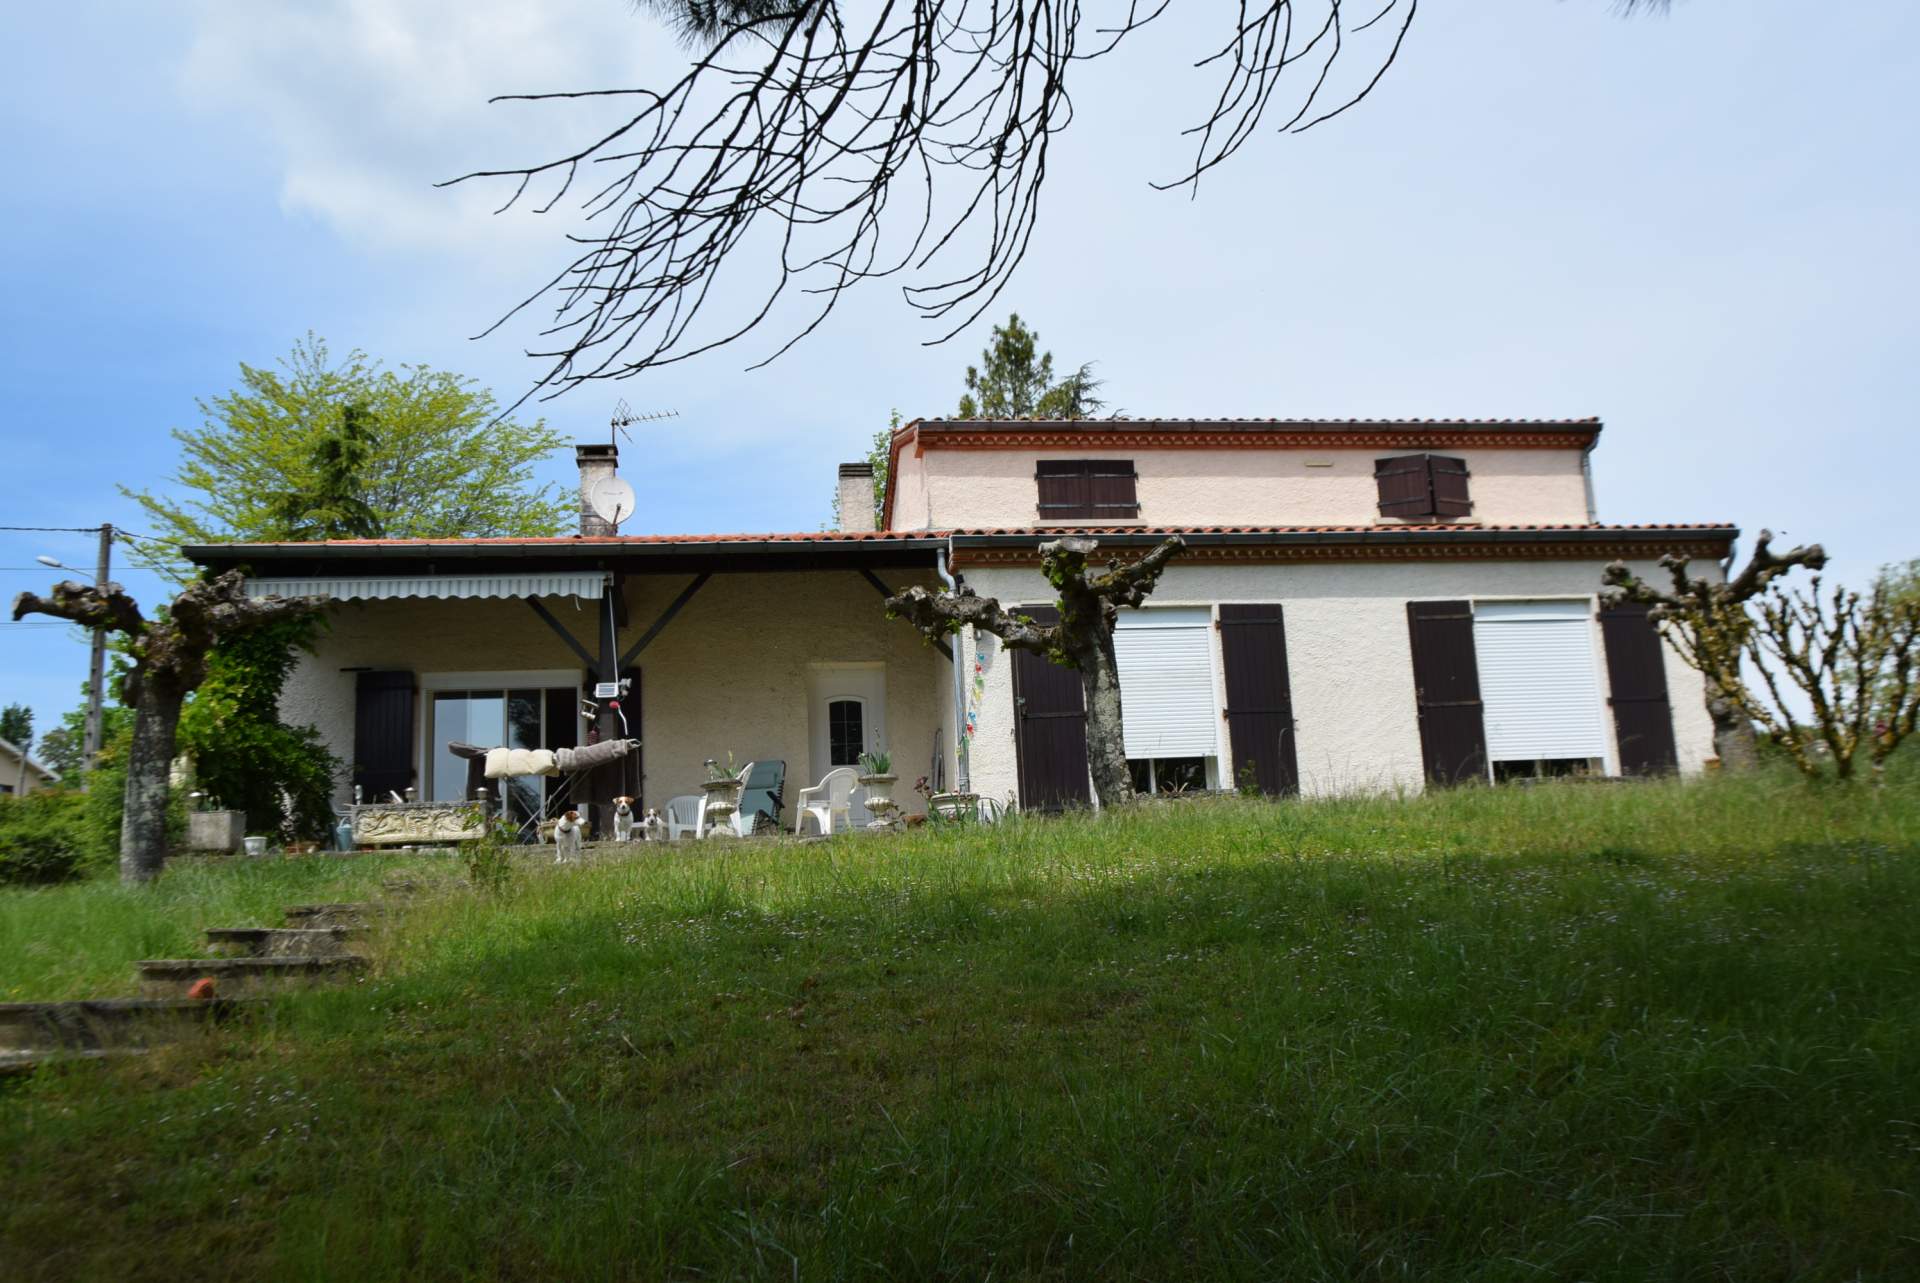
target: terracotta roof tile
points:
(1591, 421)
(908, 536)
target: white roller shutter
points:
(1166, 682)
(1538, 680)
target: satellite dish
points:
(612, 498)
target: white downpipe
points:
(963, 783)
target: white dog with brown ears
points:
(566, 837)
(653, 828)
(623, 819)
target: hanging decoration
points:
(978, 695)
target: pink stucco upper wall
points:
(945, 488)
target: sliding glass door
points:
(491, 718)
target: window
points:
(1087, 489)
(1165, 656)
(1549, 768)
(846, 731)
(1539, 684)
(489, 718)
(1168, 774)
(1422, 485)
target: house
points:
(1362, 605)
(38, 776)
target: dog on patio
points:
(566, 837)
(653, 828)
(623, 819)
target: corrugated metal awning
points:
(558, 583)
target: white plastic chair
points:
(832, 796)
(685, 814)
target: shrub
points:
(43, 836)
(282, 776)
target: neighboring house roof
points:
(880, 549)
(12, 752)
(1232, 434)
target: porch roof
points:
(630, 554)
(893, 549)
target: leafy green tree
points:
(282, 776)
(336, 507)
(1014, 380)
(317, 447)
(16, 724)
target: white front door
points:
(847, 716)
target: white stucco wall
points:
(1349, 659)
(729, 673)
(945, 488)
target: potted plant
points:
(211, 828)
(877, 777)
(723, 788)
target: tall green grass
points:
(1627, 1032)
(80, 940)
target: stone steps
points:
(231, 975)
(284, 942)
(106, 1022)
(312, 948)
(19, 1063)
(330, 915)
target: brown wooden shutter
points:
(1086, 489)
(1260, 727)
(1050, 736)
(1406, 486)
(383, 734)
(1449, 481)
(1637, 676)
(1114, 487)
(1446, 681)
(1066, 489)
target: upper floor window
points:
(1422, 485)
(1087, 489)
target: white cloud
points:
(368, 103)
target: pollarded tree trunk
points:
(143, 819)
(1082, 639)
(1106, 728)
(1734, 742)
(169, 661)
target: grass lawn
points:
(1653, 1031)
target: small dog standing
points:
(653, 828)
(623, 819)
(566, 837)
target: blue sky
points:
(1700, 227)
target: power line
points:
(66, 530)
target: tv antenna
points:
(624, 418)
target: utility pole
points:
(97, 672)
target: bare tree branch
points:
(795, 131)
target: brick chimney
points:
(856, 497)
(596, 461)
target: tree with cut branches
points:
(169, 654)
(1853, 660)
(1707, 623)
(1082, 639)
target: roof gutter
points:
(235, 553)
(1391, 536)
